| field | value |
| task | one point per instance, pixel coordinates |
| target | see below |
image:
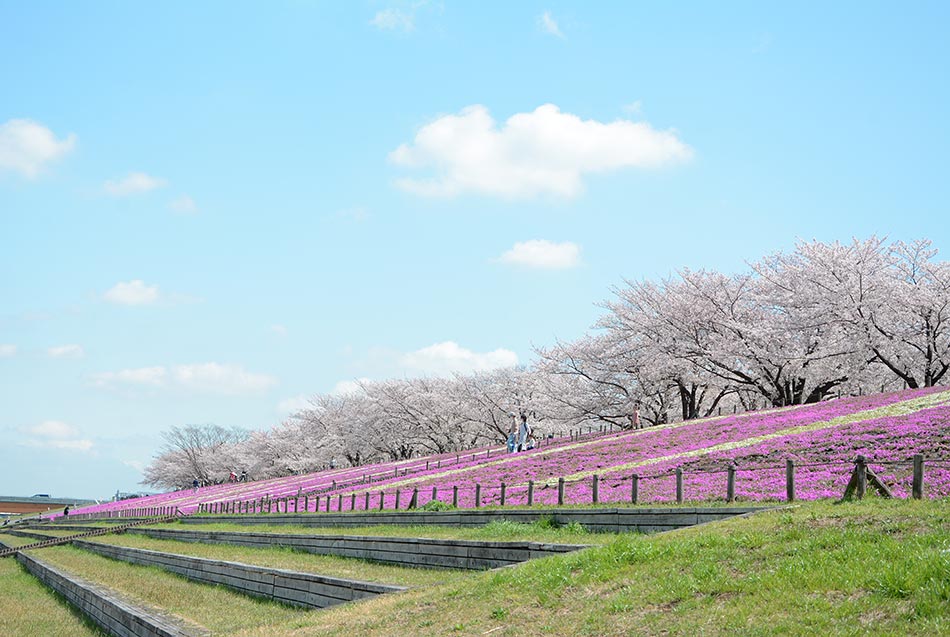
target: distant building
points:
(10, 505)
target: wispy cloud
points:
(544, 152)
(132, 184)
(346, 387)
(141, 377)
(205, 378)
(55, 434)
(7, 350)
(27, 146)
(548, 24)
(394, 20)
(293, 404)
(66, 351)
(544, 255)
(634, 108)
(279, 330)
(134, 292)
(184, 205)
(448, 357)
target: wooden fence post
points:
(861, 468)
(397, 498)
(917, 486)
(381, 500)
(478, 495)
(414, 500)
(679, 485)
(634, 488)
(455, 496)
(731, 483)
(560, 491)
(435, 493)
(353, 501)
(366, 503)
(594, 489)
(502, 494)
(530, 492)
(790, 480)
(339, 503)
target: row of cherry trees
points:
(821, 321)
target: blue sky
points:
(210, 211)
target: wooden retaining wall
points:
(290, 587)
(415, 552)
(30, 534)
(105, 607)
(612, 519)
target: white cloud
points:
(184, 205)
(137, 465)
(133, 184)
(293, 405)
(148, 376)
(7, 350)
(549, 25)
(541, 152)
(448, 357)
(634, 108)
(66, 351)
(25, 146)
(279, 330)
(544, 255)
(133, 292)
(208, 378)
(346, 387)
(394, 20)
(53, 429)
(221, 379)
(57, 435)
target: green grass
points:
(14, 541)
(873, 567)
(216, 608)
(29, 609)
(286, 558)
(494, 531)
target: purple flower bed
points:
(603, 454)
(824, 456)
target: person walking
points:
(635, 417)
(524, 430)
(512, 433)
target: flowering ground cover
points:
(655, 453)
(822, 439)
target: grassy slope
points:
(501, 531)
(28, 609)
(214, 607)
(284, 558)
(873, 567)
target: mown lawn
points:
(875, 567)
(286, 558)
(29, 609)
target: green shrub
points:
(437, 505)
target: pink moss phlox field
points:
(823, 457)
